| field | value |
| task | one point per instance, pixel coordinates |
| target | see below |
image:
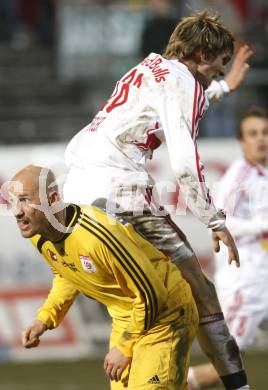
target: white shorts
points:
(243, 295)
(160, 230)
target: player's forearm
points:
(186, 166)
(51, 313)
(58, 302)
(197, 198)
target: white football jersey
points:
(156, 100)
(243, 291)
(243, 193)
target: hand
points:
(225, 236)
(115, 363)
(30, 335)
(239, 68)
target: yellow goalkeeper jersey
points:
(104, 258)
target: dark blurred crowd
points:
(30, 23)
(247, 19)
(23, 22)
(26, 22)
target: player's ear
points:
(53, 197)
(200, 56)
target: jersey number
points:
(120, 94)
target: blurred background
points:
(59, 60)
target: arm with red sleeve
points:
(180, 104)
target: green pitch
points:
(88, 375)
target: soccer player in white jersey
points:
(243, 192)
(162, 98)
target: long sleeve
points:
(58, 302)
(180, 110)
(217, 90)
(138, 280)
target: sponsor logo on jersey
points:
(52, 255)
(87, 264)
(71, 266)
(97, 121)
(155, 66)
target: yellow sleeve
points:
(58, 302)
(138, 279)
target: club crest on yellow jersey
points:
(87, 264)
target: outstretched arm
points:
(179, 112)
(233, 79)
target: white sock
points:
(192, 379)
(246, 387)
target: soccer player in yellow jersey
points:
(91, 252)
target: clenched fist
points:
(30, 335)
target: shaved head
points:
(33, 177)
(33, 193)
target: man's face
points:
(254, 141)
(210, 70)
(23, 197)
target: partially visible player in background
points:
(243, 193)
(162, 99)
(154, 315)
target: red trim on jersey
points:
(201, 177)
(257, 166)
(240, 330)
(194, 109)
(152, 141)
(242, 173)
(198, 104)
(175, 227)
(197, 108)
(233, 309)
(197, 114)
(148, 196)
(201, 107)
